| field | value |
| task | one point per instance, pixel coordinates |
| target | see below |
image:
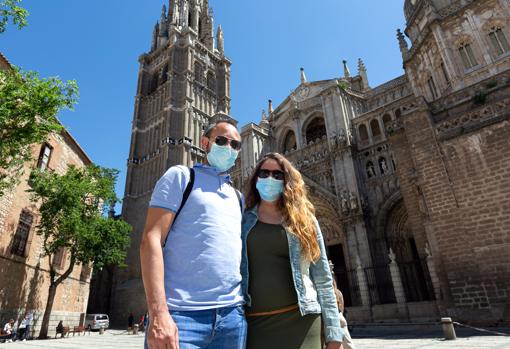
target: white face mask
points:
(222, 157)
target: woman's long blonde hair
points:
(297, 210)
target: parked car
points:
(97, 321)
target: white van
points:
(96, 321)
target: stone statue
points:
(370, 170)
(384, 166)
(353, 202)
(344, 202)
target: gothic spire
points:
(347, 73)
(303, 76)
(155, 35)
(220, 45)
(264, 122)
(362, 71)
(404, 48)
(163, 23)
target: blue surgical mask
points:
(222, 157)
(270, 189)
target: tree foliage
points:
(72, 218)
(28, 114)
(9, 9)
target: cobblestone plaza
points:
(371, 337)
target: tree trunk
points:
(43, 334)
(51, 296)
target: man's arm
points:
(162, 329)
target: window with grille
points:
(20, 239)
(85, 272)
(499, 41)
(44, 157)
(468, 56)
(59, 258)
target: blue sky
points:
(98, 42)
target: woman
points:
(286, 278)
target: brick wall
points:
(466, 189)
(25, 279)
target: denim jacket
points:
(313, 281)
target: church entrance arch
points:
(413, 270)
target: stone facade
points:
(183, 82)
(409, 179)
(24, 273)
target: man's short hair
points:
(211, 126)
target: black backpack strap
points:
(185, 196)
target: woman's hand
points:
(334, 345)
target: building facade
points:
(183, 82)
(410, 179)
(24, 272)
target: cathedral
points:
(410, 179)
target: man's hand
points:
(334, 345)
(163, 332)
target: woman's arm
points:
(323, 281)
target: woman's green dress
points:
(271, 287)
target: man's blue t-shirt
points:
(202, 255)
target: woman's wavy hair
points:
(298, 212)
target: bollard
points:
(135, 329)
(101, 330)
(448, 329)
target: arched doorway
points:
(289, 142)
(334, 238)
(413, 269)
(315, 130)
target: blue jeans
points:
(221, 328)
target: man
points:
(191, 264)
(25, 326)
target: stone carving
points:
(353, 202)
(384, 166)
(344, 204)
(370, 169)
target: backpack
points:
(186, 194)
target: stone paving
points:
(370, 337)
(425, 337)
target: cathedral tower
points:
(183, 81)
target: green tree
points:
(29, 106)
(72, 219)
(9, 9)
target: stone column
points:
(433, 274)
(362, 283)
(398, 287)
(395, 278)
